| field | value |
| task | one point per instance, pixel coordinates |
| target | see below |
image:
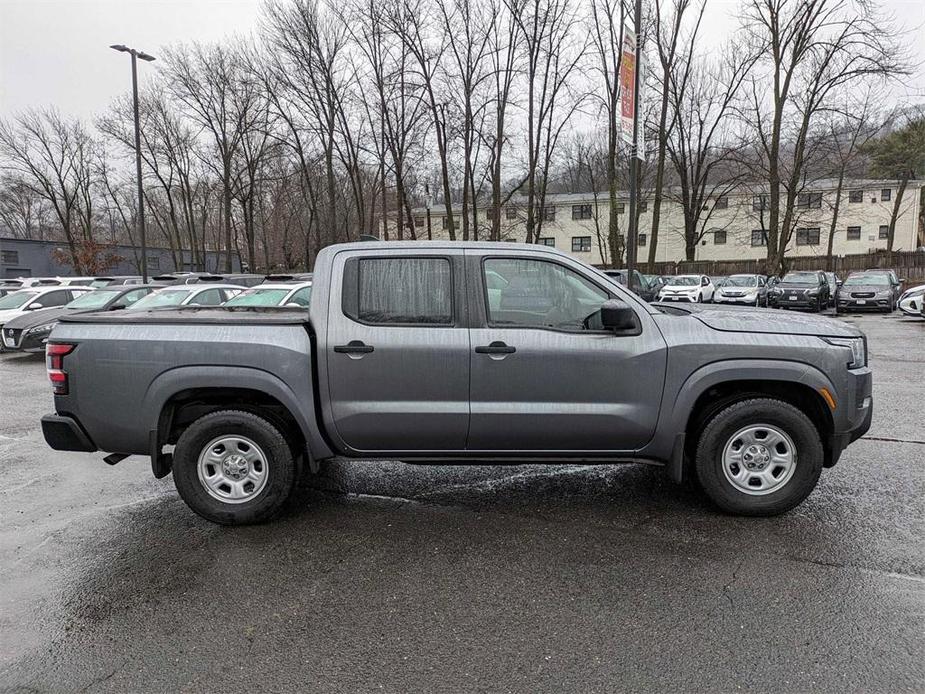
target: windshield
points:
(173, 297)
(95, 299)
(258, 297)
(684, 281)
(96, 284)
(16, 299)
(858, 280)
(742, 281)
(800, 278)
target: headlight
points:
(43, 328)
(857, 345)
(813, 292)
(884, 293)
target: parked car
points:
(289, 277)
(115, 280)
(911, 301)
(242, 280)
(29, 332)
(896, 282)
(297, 295)
(186, 295)
(641, 286)
(656, 282)
(30, 299)
(406, 355)
(26, 282)
(866, 291)
(804, 289)
(718, 280)
(743, 289)
(689, 288)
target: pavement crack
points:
(891, 440)
(98, 680)
(728, 586)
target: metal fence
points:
(909, 264)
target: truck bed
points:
(244, 315)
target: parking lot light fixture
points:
(122, 48)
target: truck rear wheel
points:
(759, 457)
(233, 468)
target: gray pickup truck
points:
(454, 353)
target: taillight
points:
(54, 362)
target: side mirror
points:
(117, 307)
(34, 307)
(615, 315)
(292, 304)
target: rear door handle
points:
(353, 347)
(495, 348)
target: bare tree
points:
(806, 52)
(53, 158)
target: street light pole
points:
(141, 200)
(633, 230)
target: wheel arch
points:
(180, 396)
(717, 385)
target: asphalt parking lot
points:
(524, 579)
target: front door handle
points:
(353, 347)
(495, 348)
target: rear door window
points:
(399, 291)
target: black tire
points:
(723, 426)
(280, 464)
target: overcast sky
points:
(55, 52)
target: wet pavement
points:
(405, 578)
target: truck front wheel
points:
(759, 457)
(233, 468)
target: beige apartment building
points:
(577, 223)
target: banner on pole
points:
(641, 126)
(628, 84)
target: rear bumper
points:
(63, 433)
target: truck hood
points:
(771, 321)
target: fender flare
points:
(713, 374)
(176, 380)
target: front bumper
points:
(685, 298)
(801, 301)
(854, 420)
(64, 433)
(744, 300)
(853, 304)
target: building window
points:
(490, 213)
(419, 221)
(620, 208)
(719, 237)
(581, 244)
(446, 224)
(808, 237)
(10, 257)
(641, 240)
(856, 196)
(722, 203)
(886, 194)
(510, 213)
(884, 231)
(549, 213)
(400, 290)
(547, 241)
(643, 206)
(759, 203)
(759, 237)
(809, 200)
(154, 262)
(854, 233)
(581, 212)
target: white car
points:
(693, 289)
(912, 300)
(296, 295)
(20, 302)
(177, 295)
(742, 289)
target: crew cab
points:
(442, 352)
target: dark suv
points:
(809, 290)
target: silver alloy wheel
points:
(759, 459)
(232, 469)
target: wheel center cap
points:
(235, 467)
(756, 457)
